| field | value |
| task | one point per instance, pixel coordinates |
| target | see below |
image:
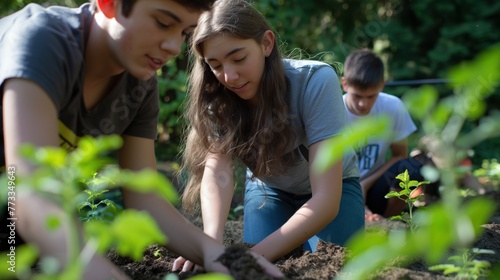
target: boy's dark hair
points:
(363, 69)
(197, 5)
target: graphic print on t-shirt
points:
(367, 156)
(67, 138)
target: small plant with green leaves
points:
(451, 222)
(408, 187)
(465, 265)
(158, 254)
(97, 206)
(489, 173)
(467, 193)
(59, 176)
(236, 212)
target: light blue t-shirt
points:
(316, 112)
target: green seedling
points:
(157, 254)
(489, 173)
(235, 212)
(408, 186)
(96, 206)
(451, 222)
(465, 266)
(62, 177)
(467, 193)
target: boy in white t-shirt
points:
(363, 81)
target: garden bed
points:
(325, 263)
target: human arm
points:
(399, 151)
(217, 190)
(30, 117)
(184, 238)
(313, 216)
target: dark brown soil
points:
(325, 263)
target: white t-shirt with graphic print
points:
(372, 153)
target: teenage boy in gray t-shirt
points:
(66, 73)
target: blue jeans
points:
(267, 209)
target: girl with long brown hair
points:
(247, 103)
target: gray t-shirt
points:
(47, 46)
(316, 113)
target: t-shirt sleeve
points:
(42, 52)
(403, 123)
(323, 110)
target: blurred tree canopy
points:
(416, 39)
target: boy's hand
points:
(371, 217)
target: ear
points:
(107, 7)
(268, 42)
(344, 84)
(382, 85)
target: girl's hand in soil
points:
(216, 265)
(186, 265)
(267, 266)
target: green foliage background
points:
(417, 40)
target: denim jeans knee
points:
(267, 209)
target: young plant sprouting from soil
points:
(96, 206)
(58, 177)
(235, 212)
(489, 173)
(465, 266)
(407, 187)
(452, 222)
